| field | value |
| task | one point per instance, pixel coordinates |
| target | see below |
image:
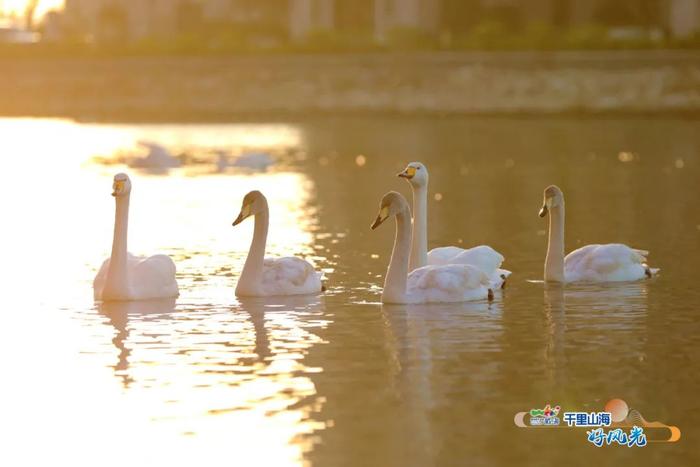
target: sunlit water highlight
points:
(340, 379)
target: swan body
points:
(482, 257)
(256, 161)
(613, 262)
(125, 277)
(427, 284)
(265, 277)
(158, 157)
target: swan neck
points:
(250, 282)
(397, 274)
(121, 229)
(419, 238)
(554, 263)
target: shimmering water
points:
(340, 379)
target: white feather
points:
(613, 262)
(290, 276)
(148, 278)
(483, 257)
(447, 283)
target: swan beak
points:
(245, 212)
(546, 207)
(118, 187)
(381, 217)
(408, 173)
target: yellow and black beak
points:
(409, 172)
(545, 207)
(118, 187)
(245, 213)
(381, 217)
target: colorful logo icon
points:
(546, 416)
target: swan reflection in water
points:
(119, 315)
(264, 310)
(263, 314)
(598, 314)
(426, 343)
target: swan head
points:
(392, 204)
(121, 186)
(253, 203)
(416, 174)
(553, 197)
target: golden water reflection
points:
(205, 375)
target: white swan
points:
(254, 161)
(264, 277)
(124, 276)
(428, 284)
(158, 158)
(483, 257)
(613, 262)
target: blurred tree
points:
(458, 17)
(355, 16)
(645, 13)
(113, 24)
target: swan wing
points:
(443, 255)
(483, 257)
(606, 263)
(153, 276)
(290, 276)
(448, 283)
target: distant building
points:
(416, 15)
(684, 18)
(128, 20)
(133, 20)
(309, 16)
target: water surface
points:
(340, 379)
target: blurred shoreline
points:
(220, 88)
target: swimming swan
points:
(613, 262)
(427, 284)
(483, 257)
(123, 276)
(264, 277)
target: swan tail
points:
(640, 255)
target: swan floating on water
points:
(483, 257)
(613, 262)
(252, 161)
(427, 284)
(258, 161)
(264, 277)
(124, 276)
(158, 158)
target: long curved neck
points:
(251, 276)
(419, 238)
(117, 282)
(397, 274)
(554, 263)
